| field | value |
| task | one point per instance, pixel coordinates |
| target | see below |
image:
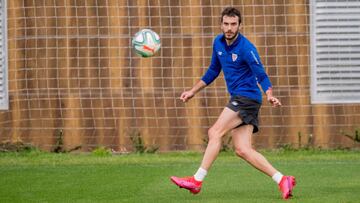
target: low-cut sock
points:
(200, 174)
(277, 177)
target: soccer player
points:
(238, 58)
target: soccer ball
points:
(146, 42)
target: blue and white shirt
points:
(241, 65)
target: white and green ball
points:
(146, 42)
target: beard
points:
(231, 37)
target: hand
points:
(186, 96)
(274, 101)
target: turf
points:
(322, 176)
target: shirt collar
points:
(235, 43)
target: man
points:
(238, 59)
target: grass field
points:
(322, 176)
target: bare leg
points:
(243, 148)
(227, 120)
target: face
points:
(230, 27)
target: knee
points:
(243, 152)
(214, 134)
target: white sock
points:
(200, 174)
(277, 177)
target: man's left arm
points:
(257, 68)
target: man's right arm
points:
(212, 72)
(185, 96)
(214, 69)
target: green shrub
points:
(101, 151)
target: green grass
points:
(322, 176)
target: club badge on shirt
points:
(234, 57)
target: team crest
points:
(234, 57)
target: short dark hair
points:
(232, 12)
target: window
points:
(4, 98)
(335, 51)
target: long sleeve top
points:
(241, 65)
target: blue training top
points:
(241, 65)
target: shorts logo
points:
(234, 57)
(219, 53)
(234, 103)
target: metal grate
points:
(4, 100)
(335, 53)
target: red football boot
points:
(286, 186)
(188, 183)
